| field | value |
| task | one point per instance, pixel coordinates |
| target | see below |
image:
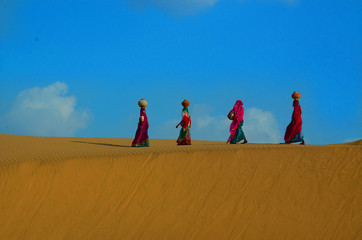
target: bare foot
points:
(302, 143)
(287, 143)
(245, 141)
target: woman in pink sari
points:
(237, 117)
(293, 132)
(141, 139)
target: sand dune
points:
(95, 188)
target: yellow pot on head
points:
(142, 103)
(296, 95)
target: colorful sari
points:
(236, 131)
(293, 132)
(185, 136)
(141, 139)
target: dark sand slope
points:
(88, 188)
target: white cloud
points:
(261, 126)
(175, 7)
(46, 111)
(206, 126)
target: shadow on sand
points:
(103, 144)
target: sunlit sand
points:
(97, 188)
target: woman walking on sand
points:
(185, 136)
(141, 139)
(294, 133)
(237, 117)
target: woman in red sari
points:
(185, 136)
(294, 133)
(141, 139)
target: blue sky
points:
(78, 68)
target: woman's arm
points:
(182, 121)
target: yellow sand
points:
(93, 188)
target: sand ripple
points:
(94, 188)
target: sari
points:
(293, 132)
(141, 139)
(185, 136)
(236, 131)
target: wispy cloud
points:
(261, 126)
(206, 126)
(347, 140)
(183, 7)
(174, 7)
(46, 111)
(165, 130)
(285, 1)
(288, 1)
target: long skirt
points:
(239, 135)
(184, 137)
(298, 138)
(145, 143)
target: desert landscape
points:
(95, 188)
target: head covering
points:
(238, 118)
(143, 112)
(238, 111)
(295, 126)
(186, 119)
(296, 104)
